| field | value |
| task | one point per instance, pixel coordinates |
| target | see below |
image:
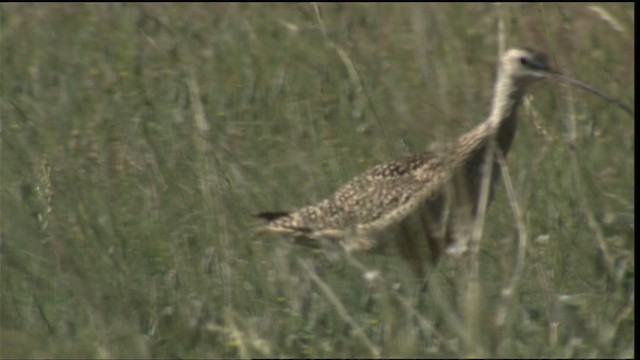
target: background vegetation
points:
(138, 139)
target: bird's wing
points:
(381, 195)
(402, 195)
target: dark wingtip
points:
(271, 215)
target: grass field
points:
(138, 140)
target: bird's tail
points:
(271, 215)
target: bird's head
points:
(525, 65)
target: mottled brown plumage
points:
(420, 204)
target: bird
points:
(420, 205)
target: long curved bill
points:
(591, 89)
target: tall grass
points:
(138, 139)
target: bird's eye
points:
(524, 61)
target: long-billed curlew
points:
(423, 203)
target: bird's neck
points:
(502, 121)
